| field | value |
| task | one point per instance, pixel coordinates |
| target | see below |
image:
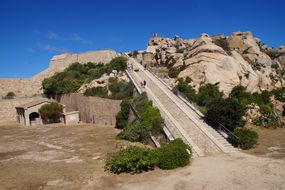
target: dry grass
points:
(271, 143)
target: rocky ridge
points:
(227, 61)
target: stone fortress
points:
(239, 58)
(30, 89)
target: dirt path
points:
(68, 158)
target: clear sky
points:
(32, 31)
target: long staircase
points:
(181, 119)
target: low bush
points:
(123, 115)
(132, 159)
(245, 138)
(174, 72)
(173, 155)
(10, 95)
(134, 132)
(188, 79)
(228, 112)
(279, 94)
(246, 98)
(97, 91)
(136, 159)
(268, 118)
(207, 94)
(223, 43)
(186, 89)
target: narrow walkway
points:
(182, 121)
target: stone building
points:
(28, 114)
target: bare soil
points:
(72, 157)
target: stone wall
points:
(92, 109)
(21, 87)
(8, 110)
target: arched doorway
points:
(34, 118)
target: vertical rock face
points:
(32, 86)
(225, 61)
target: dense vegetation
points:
(77, 74)
(136, 159)
(119, 90)
(123, 116)
(50, 113)
(228, 112)
(149, 122)
(243, 137)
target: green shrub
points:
(173, 155)
(275, 65)
(135, 133)
(246, 98)
(186, 89)
(123, 115)
(120, 89)
(279, 94)
(228, 112)
(188, 79)
(97, 91)
(173, 72)
(268, 118)
(132, 159)
(10, 95)
(223, 43)
(207, 94)
(149, 123)
(245, 138)
(136, 159)
(51, 112)
(118, 63)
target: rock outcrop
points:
(226, 61)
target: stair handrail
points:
(182, 96)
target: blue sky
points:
(31, 32)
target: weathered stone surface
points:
(243, 63)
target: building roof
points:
(33, 103)
(70, 113)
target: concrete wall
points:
(92, 109)
(7, 107)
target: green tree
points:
(207, 94)
(51, 112)
(228, 112)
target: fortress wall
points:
(59, 62)
(7, 107)
(21, 87)
(92, 109)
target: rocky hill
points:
(32, 86)
(227, 61)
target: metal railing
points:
(216, 125)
